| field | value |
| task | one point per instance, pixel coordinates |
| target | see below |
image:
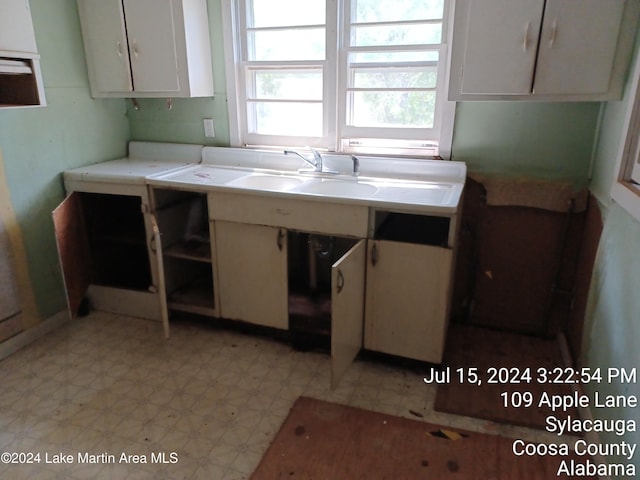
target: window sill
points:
(627, 195)
(425, 153)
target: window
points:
(626, 185)
(341, 75)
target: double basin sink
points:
(321, 186)
(441, 195)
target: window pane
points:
(380, 57)
(284, 13)
(397, 10)
(396, 35)
(292, 119)
(281, 45)
(392, 109)
(395, 78)
(288, 85)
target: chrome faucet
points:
(356, 165)
(316, 163)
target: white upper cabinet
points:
(541, 49)
(581, 38)
(16, 27)
(147, 48)
(21, 83)
(106, 49)
(501, 45)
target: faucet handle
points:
(316, 154)
(356, 165)
(317, 158)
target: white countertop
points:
(423, 186)
(145, 159)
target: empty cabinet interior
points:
(186, 248)
(117, 240)
(20, 88)
(411, 228)
(310, 258)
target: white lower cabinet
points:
(327, 298)
(252, 269)
(107, 254)
(407, 299)
(409, 277)
(389, 293)
(379, 280)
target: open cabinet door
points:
(156, 248)
(73, 250)
(347, 309)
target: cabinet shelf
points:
(198, 251)
(194, 297)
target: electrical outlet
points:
(208, 128)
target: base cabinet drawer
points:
(309, 216)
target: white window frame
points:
(334, 67)
(427, 136)
(626, 184)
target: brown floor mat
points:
(321, 440)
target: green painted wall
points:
(611, 338)
(37, 144)
(607, 148)
(547, 140)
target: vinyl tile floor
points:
(107, 397)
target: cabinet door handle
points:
(554, 31)
(340, 281)
(280, 239)
(374, 254)
(119, 48)
(152, 243)
(525, 43)
(135, 48)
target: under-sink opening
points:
(310, 258)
